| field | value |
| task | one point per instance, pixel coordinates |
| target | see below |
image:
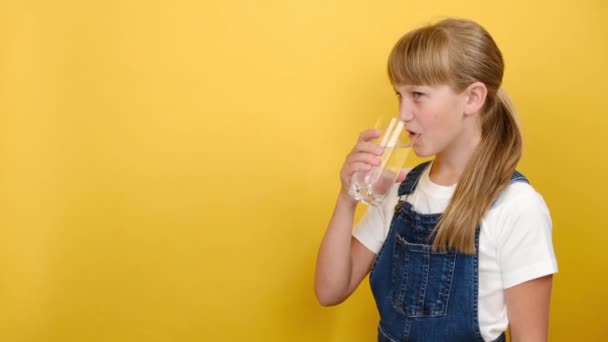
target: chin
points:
(423, 153)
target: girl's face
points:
(435, 118)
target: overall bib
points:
(424, 295)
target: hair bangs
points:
(420, 58)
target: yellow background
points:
(167, 169)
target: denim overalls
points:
(423, 295)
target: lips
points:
(412, 134)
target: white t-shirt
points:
(514, 242)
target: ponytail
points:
(486, 175)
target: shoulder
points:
(518, 210)
(519, 196)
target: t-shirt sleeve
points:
(373, 227)
(524, 240)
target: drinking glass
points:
(371, 187)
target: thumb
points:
(401, 177)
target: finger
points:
(402, 175)
(369, 134)
(369, 147)
(367, 158)
(357, 166)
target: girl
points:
(461, 250)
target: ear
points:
(475, 98)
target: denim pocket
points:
(421, 279)
(383, 337)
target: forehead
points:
(411, 87)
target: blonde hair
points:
(459, 52)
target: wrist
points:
(346, 200)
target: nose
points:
(406, 111)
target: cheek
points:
(437, 125)
(435, 112)
(433, 121)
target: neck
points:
(449, 165)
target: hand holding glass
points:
(372, 186)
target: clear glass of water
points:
(371, 187)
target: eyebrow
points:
(408, 87)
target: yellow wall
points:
(167, 169)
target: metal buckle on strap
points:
(399, 206)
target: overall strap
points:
(411, 180)
(518, 177)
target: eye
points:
(398, 96)
(417, 94)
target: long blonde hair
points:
(459, 52)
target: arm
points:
(527, 262)
(342, 261)
(528, 309)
